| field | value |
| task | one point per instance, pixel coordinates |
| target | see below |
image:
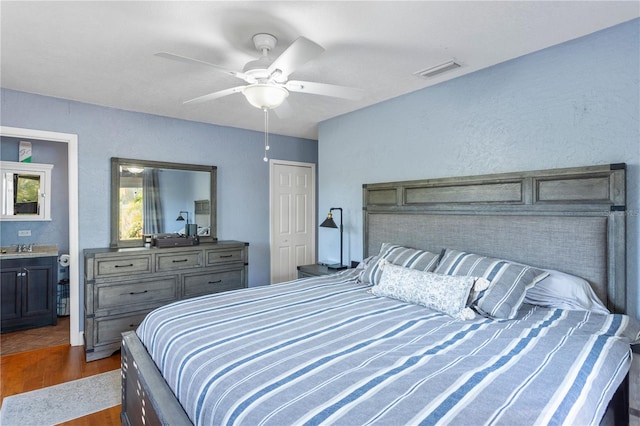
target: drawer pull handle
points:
(179, 260)
(215, 282)
(138, 292)
(226, 255)
(124, 266)
(133, 325)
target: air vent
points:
(438, 69)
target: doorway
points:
(293, 217)
(75, 336)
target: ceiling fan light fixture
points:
(135, 170)
(263, 96)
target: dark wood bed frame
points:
(570, 219)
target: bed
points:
(355, 348)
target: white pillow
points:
(444, 293)
(564, 291)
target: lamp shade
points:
(329, 222)
(265, 95)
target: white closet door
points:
(293, 233)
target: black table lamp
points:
(180, 218)
(330, 223)
(189, 229)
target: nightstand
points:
(634, 387)
(315, 270)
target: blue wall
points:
(243, 177)
(573, 104)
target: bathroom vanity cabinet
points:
(28, 292)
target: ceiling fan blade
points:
(214, 95)
(325, 89)
(174, 57)
(301, 51)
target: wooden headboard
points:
(571, 219)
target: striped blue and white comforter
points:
(326, 351)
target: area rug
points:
(63, 402)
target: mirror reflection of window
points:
(140, 202)
(131, 208)
(26, 193)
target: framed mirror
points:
(154, 198)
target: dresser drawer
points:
(217, 257)
(125, 265)
(212, 282)
(131, 295)
(109, 329)
(183, 260)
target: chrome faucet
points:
(25, 248)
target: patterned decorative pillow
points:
(444, 293)
(509, 281)
(398, 255)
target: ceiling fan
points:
(267, 79)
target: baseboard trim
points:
(79, 339)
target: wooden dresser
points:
(123, 285)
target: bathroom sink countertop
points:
(38, 250)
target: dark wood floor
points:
(35, 338)
(35, 368)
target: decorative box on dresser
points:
(123, 285)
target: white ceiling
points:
(103, 52)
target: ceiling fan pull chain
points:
(266, 133)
